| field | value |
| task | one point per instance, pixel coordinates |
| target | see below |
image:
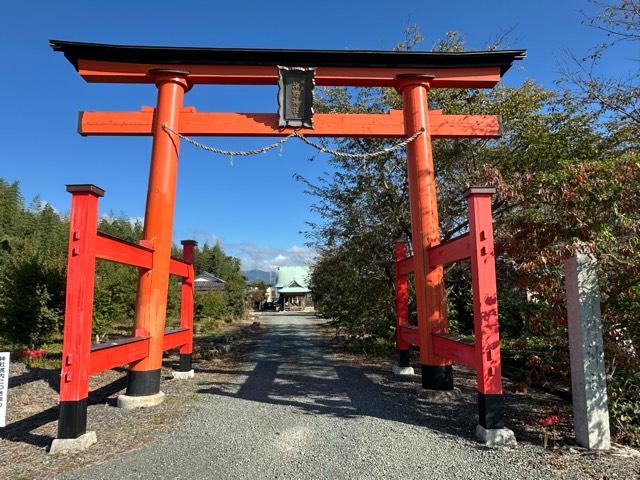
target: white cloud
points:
(40, 205)
(258, 257)
(253, 256)
(109, 217)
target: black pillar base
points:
(185, 362)
(72, 418)
(403, 361)
(142, 383)
(437, 377)
(491, 410)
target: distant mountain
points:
(259, 275)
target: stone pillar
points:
(588, 379)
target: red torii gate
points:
(175, 70)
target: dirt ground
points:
(523, 414)
(33, 408)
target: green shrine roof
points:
(292, 279)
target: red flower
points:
(551, 420)
(28, 353)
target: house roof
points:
(208, 276)
(206, 279)
(158, 55)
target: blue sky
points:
(255, 207)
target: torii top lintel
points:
(132, 64)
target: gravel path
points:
(296, 412)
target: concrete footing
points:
(129, 403)
(73, 445)
(402, 371)
(439, 395)
(496, 436)
(183, 375)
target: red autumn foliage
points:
(28, 353)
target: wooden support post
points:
(153, 285)
(186, 306)
(402, 310)
(437, 373)
(76, 350)
(588, 375)
(490, 427)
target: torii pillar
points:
(437, 373)
(143, 386)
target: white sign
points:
(4, 386)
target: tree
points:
(212, 305)
(32, 268)
(215, 261)
(258, 292)
(615, 99)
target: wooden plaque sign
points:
(295, 96)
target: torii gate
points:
(175, 70)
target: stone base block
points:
(73, 445)
(183, 375)
(129, 403)
(496, 436)
(403, 371)
(439, 396)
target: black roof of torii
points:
(74, 51)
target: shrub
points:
(211, 305)
(33, 296)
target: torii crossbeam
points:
(175, 70)
(266, 124)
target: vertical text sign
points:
(4, 386)
(588, 376)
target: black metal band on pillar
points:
(491, 410)
(404, 360)
(185, 362)
(72, 418)
(142, 383)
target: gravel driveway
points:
(296, 412)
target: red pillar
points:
(402, 304)
(186, 304)
(153, 285)
(76, 350)
(430, 295)
(485, 308)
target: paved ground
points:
(295, 412)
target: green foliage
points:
(32, 300)
(215, 261)
(114, 298)
(235, 291)
(212, 259)
(32, 269)
(259, 290)
(624, 407)
(211, 305)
